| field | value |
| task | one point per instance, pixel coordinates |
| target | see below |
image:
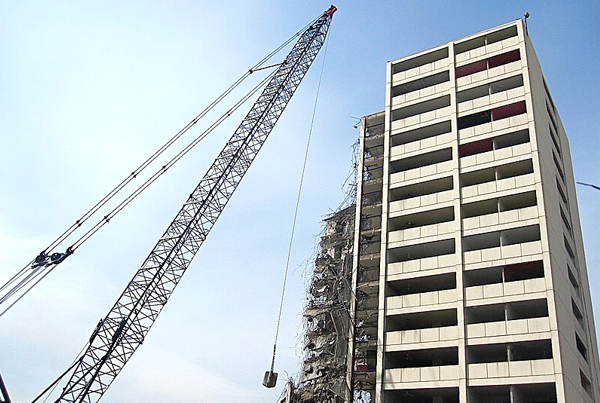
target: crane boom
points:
(122, 331)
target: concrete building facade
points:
(469, 277)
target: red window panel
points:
(475, 147)
(504, 58)
(471, 68)
(481, 65)
(509, 110)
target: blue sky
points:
(89, 89)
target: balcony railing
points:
(395, 340)
(421, 299)
(495, 155)
(421, 201)
(502, 252)
(421, 232)
(511, 369)
(429, 263)
(420, 145)
(508, 328)
(419, 70)
(422, 118)
(502, 96)
(514, 182)
(487, 49)
(504, 217)
(422, 93)
(421, 172)
(489, 73)
(521, 287)
(397, 377)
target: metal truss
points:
(123, 330)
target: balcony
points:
(419, 265)
(421, 88)
(495, 155)
(421, 225)
(501, 185)
(511, 328)
(511, 310)
(400, 378)
(421, 194)
(507, 254)
(490, 93)
(514, 288)
(421, 201)
(421, 133)
(422, 172)
(482, 45)
(404, 339)
(416, 301)
(430, 116)
(421, 232)
(523, 216)
(485, 129)
(494, 66)
(487, 144)
(374, 130)
(534, 392)
(420, 145)
(422, 64)
(495, 116)
(421, 112)
(510, 372)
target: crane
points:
(122, 331)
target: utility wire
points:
(289, 254)
(590, 185)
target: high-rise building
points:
(469, 277)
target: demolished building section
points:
(341, 315)
(326, 318)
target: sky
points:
(89, 89)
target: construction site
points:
(452, 271)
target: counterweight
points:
(126, 325)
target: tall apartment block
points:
(469, 277)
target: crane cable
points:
(289, 253)
(37, 271)
(78, 223)
(106, 219)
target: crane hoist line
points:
(48, 259)
(123, 330)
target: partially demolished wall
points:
(326, 318)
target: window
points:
(561, 192)
(581, 347)
(577, 313)
(585, 383)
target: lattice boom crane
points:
(122, 331)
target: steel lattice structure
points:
(126, 325)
